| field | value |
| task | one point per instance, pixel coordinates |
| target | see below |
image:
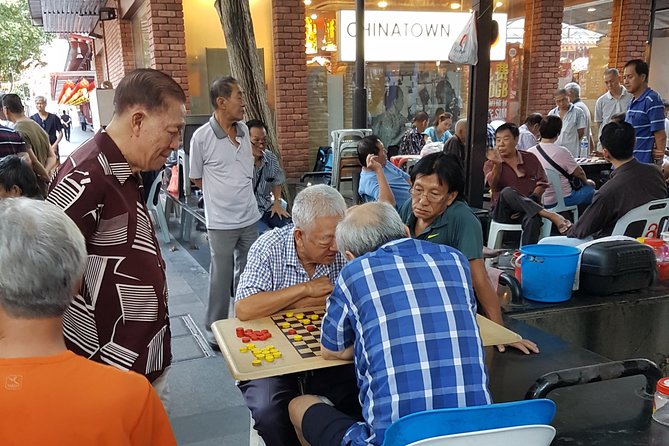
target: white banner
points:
(409, 36)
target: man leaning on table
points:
(404, 311)
(295, 267)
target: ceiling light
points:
(307, 2)
(498, 4)
(382, 4)
(609, 22)
(592, 9)
(455, 5)
(314, 16)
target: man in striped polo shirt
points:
(645, 113)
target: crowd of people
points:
(402, 276)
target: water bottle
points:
(584, 147)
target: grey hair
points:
(317, 201)
(40, 99)
(460, 123)
(221, 88)
(369, 226)
(574, 87)
(613, 71)
(42, 258)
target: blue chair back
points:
(434, 423)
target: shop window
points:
(140, 37)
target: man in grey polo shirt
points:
(573, 123)
(614, 101)
(221, 164)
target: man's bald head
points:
(461, 129)
(367, 227)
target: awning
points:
(60, 16)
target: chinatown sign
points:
(409, 36)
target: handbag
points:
(574, 182)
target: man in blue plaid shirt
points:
(404, 311)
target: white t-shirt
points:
(227, 176)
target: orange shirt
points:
(68, 400)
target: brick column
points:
(543, 33)
(290, 74)
(629, 31)
(100, 74)
(167, 41)
(118, 48)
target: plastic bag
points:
(466, 47)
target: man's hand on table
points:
(524, 345)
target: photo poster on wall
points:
(407, 92)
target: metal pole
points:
(360, 94)
(479, 79)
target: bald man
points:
(456, 143)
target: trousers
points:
(511, 202)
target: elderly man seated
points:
(49, 395)
(404, 311)
(380, 180)
(517, 181)
(294, 267)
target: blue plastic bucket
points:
(548, 272)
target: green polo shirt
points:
(458, 227)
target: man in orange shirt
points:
(49, 395)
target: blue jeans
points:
(581, 196)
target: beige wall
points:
(203, 30)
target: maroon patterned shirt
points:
(120, 315)
(532, 175)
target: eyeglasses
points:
(431, 196)
(258, 142)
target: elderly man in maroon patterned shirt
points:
(120, 315)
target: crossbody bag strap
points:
(555, 165)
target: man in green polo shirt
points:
(438, 213)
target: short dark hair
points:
(533, 119)
(560, 92)
(14, 171)
(619, 139)
(550, 127)
(256, 124)
(420, 116)
(147, 87)
(640, 67)
(448, 169)
(510, 126)
(13, 103)
(367, 146)
(221, 88)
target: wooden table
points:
(241, 367)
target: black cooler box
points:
(616, 267)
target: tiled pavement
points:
(206, 408)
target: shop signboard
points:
(409, 36)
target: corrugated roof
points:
(65, 16)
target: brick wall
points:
(100, 74)
(543, 31)
(629, 31)
(118, 48)
(290, 74)
(167, 41)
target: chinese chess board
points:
(303, 333)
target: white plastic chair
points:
(184, 162)
(530, 435)
(157, 209)
(554, 180)
(654, 215)
(497, 230)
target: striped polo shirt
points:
(646, 114)
(11, 143)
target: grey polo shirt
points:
(227, 176)
(607, 106)
(573, 120)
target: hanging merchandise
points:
(465, 49)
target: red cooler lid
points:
(654, 242)
(663, 385)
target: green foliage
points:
(20, 41)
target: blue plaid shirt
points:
(273, 265)
(646, 114)
(410, 313)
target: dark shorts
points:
(323, 425)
